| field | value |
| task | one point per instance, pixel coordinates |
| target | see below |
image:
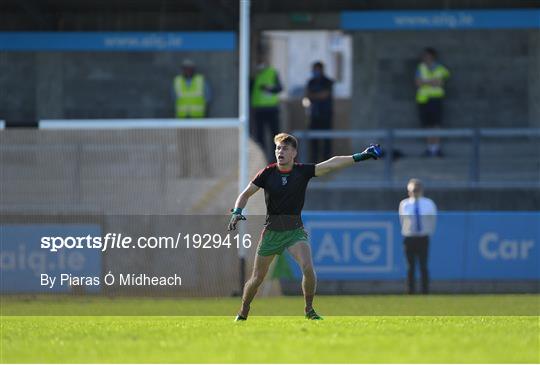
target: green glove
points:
(235, 217)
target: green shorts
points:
(275, 242)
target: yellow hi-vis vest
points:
(426, 92)
(259, 97)
(190, 101)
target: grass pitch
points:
(27, 335)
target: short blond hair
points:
(287, 139)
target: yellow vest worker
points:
(426, 91)
(263, 93)
(265, 89)
(190, 96)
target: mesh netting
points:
(136, 182)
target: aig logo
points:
(351, 246)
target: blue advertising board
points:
(465, 246)
(117, 41)
(503, 246)
(450, 19)
(23, 261)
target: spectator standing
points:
(430, 79)
(265, 89)
(418, 216)
(319, 93)
(192, 94)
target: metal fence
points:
(474, 136)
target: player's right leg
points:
(260, 268)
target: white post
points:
(243, 100)
(243, 111)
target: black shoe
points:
(312, 315)
(240, 318)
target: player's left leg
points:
(301, 252)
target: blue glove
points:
(374, 151)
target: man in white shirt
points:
(418, 216)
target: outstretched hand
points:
(374, 151)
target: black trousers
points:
(416, 249)
(320, 122)
(266, 119)
(431, 113)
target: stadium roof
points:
(209, 14)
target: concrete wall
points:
(534, 78)
(37, 85)
(494, 81)
(494, 199)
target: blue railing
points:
(388, 138)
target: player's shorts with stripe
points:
(275, 242)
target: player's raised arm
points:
(240, 204)
(339, 162)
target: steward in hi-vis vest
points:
(265, 89)
(191, 92)
(435, 73)
(261, 94)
